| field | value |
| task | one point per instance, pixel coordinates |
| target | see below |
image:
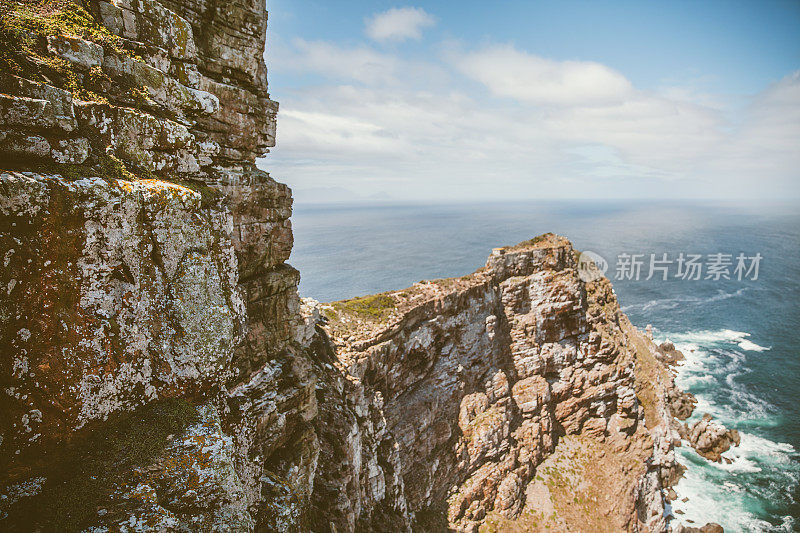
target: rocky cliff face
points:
(473, 382)
(160, 373)
(148, 314)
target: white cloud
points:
(378, 122)
(506, 71)
(360, 63)
(762, 155)
(349, 64)
(398, 24)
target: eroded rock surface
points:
(479, 377)
(708, 528)
(143, 264)
(712, 439)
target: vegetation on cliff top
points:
(373, 307)
(538, 242)
(649, 372)
(24, 29)
(581, 486)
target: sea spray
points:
(745, 494)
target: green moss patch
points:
(24, 28)
(374, 307)
(86, 473)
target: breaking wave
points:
(678, 301)
(723, 336)
(762, 472)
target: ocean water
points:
(741, 337)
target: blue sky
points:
(496, 100)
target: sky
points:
(464, 101)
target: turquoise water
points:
(741, 338)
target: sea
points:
(740, 336)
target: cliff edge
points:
(148, 314)
(508, 399)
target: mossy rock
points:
(24, 29)
(86, 471)
(373, 307)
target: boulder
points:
(711, 527)
(669, 354)
(711, 439)
(681, 404)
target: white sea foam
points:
(706, 337)
(714, 364)
(694, 381)
(672, 303)
(722, 336)
(751, 346)
(716, 492)
(788, 524)
(712, 501)
(780, 452)
(709, 374)
(720, 492)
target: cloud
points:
(376, 121)
(506, 71)
(761, 153)
(360, 63)
(348, 64)
(398, 24)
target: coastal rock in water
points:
(668, 354)
(681, 404)
(711, 527)
(712, 439)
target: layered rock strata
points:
(149, 380)
(480, 376)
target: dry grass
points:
(649, 372)
(546, 240)
(585, 485)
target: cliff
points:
(479, 386)
(160, 373)
(147, 369)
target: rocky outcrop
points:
(711, 439)
(149, 369)
(478, 379)
(668, 354)
(681, 404)
(117, 294)
(708, 528)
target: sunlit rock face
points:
(159, 371)
(118, 293)
(478, 378)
